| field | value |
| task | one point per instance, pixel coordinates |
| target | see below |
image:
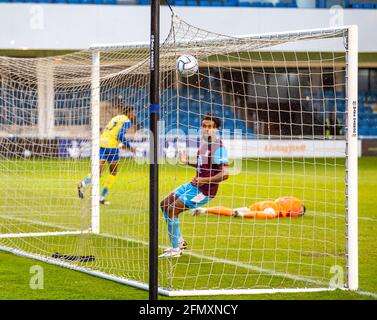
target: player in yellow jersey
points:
(111, 140)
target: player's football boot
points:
(104, 202)
(171, 253)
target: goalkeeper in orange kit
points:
(283, 207)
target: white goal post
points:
(273, 93)
(352, 176)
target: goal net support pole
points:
(154, 88)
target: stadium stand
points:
(24, 109)
(358, 4)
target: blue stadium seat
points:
(250, 130)
(340, 108)
(340, 94)
(371, 97)
(180, 3)
(191, 3)
(240, 125)
(217, 113)
(369, 6)
(329, 94)
(228, 113)
(256, 4)
(144, 2)
(228, 124)
(244, 4)
(194, 125)
(260, 4)
(217, 3)
(292, 4)
(367, 110)
(372, 131)
(231, 3)
(194, 107)
(363, 123)
(184, 107)
(267, 4)
(204, 3)
(281, 5)
(38, 1)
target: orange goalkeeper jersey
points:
(289, 206)
(283, 206)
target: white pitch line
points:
(40, 234)
(40, 223)
(342, 216)
(215, 259)
(368, 219)
(367, 293)
(187, 252)
(221, 260)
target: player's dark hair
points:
(211, 117)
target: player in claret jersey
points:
(211, 169)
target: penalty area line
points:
(367, 293)
(229, 262)
(204, 257)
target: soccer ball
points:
(187, 65)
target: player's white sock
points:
(197, 211)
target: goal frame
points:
(351, 209)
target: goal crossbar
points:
(262, 36)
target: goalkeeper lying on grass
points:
(283, 207)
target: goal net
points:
(288, 107)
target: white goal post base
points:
(219, 292)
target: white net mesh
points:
(283, 114)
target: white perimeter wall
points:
(287, 148)
(238, 149)
(51, 26)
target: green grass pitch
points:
(40, 196)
